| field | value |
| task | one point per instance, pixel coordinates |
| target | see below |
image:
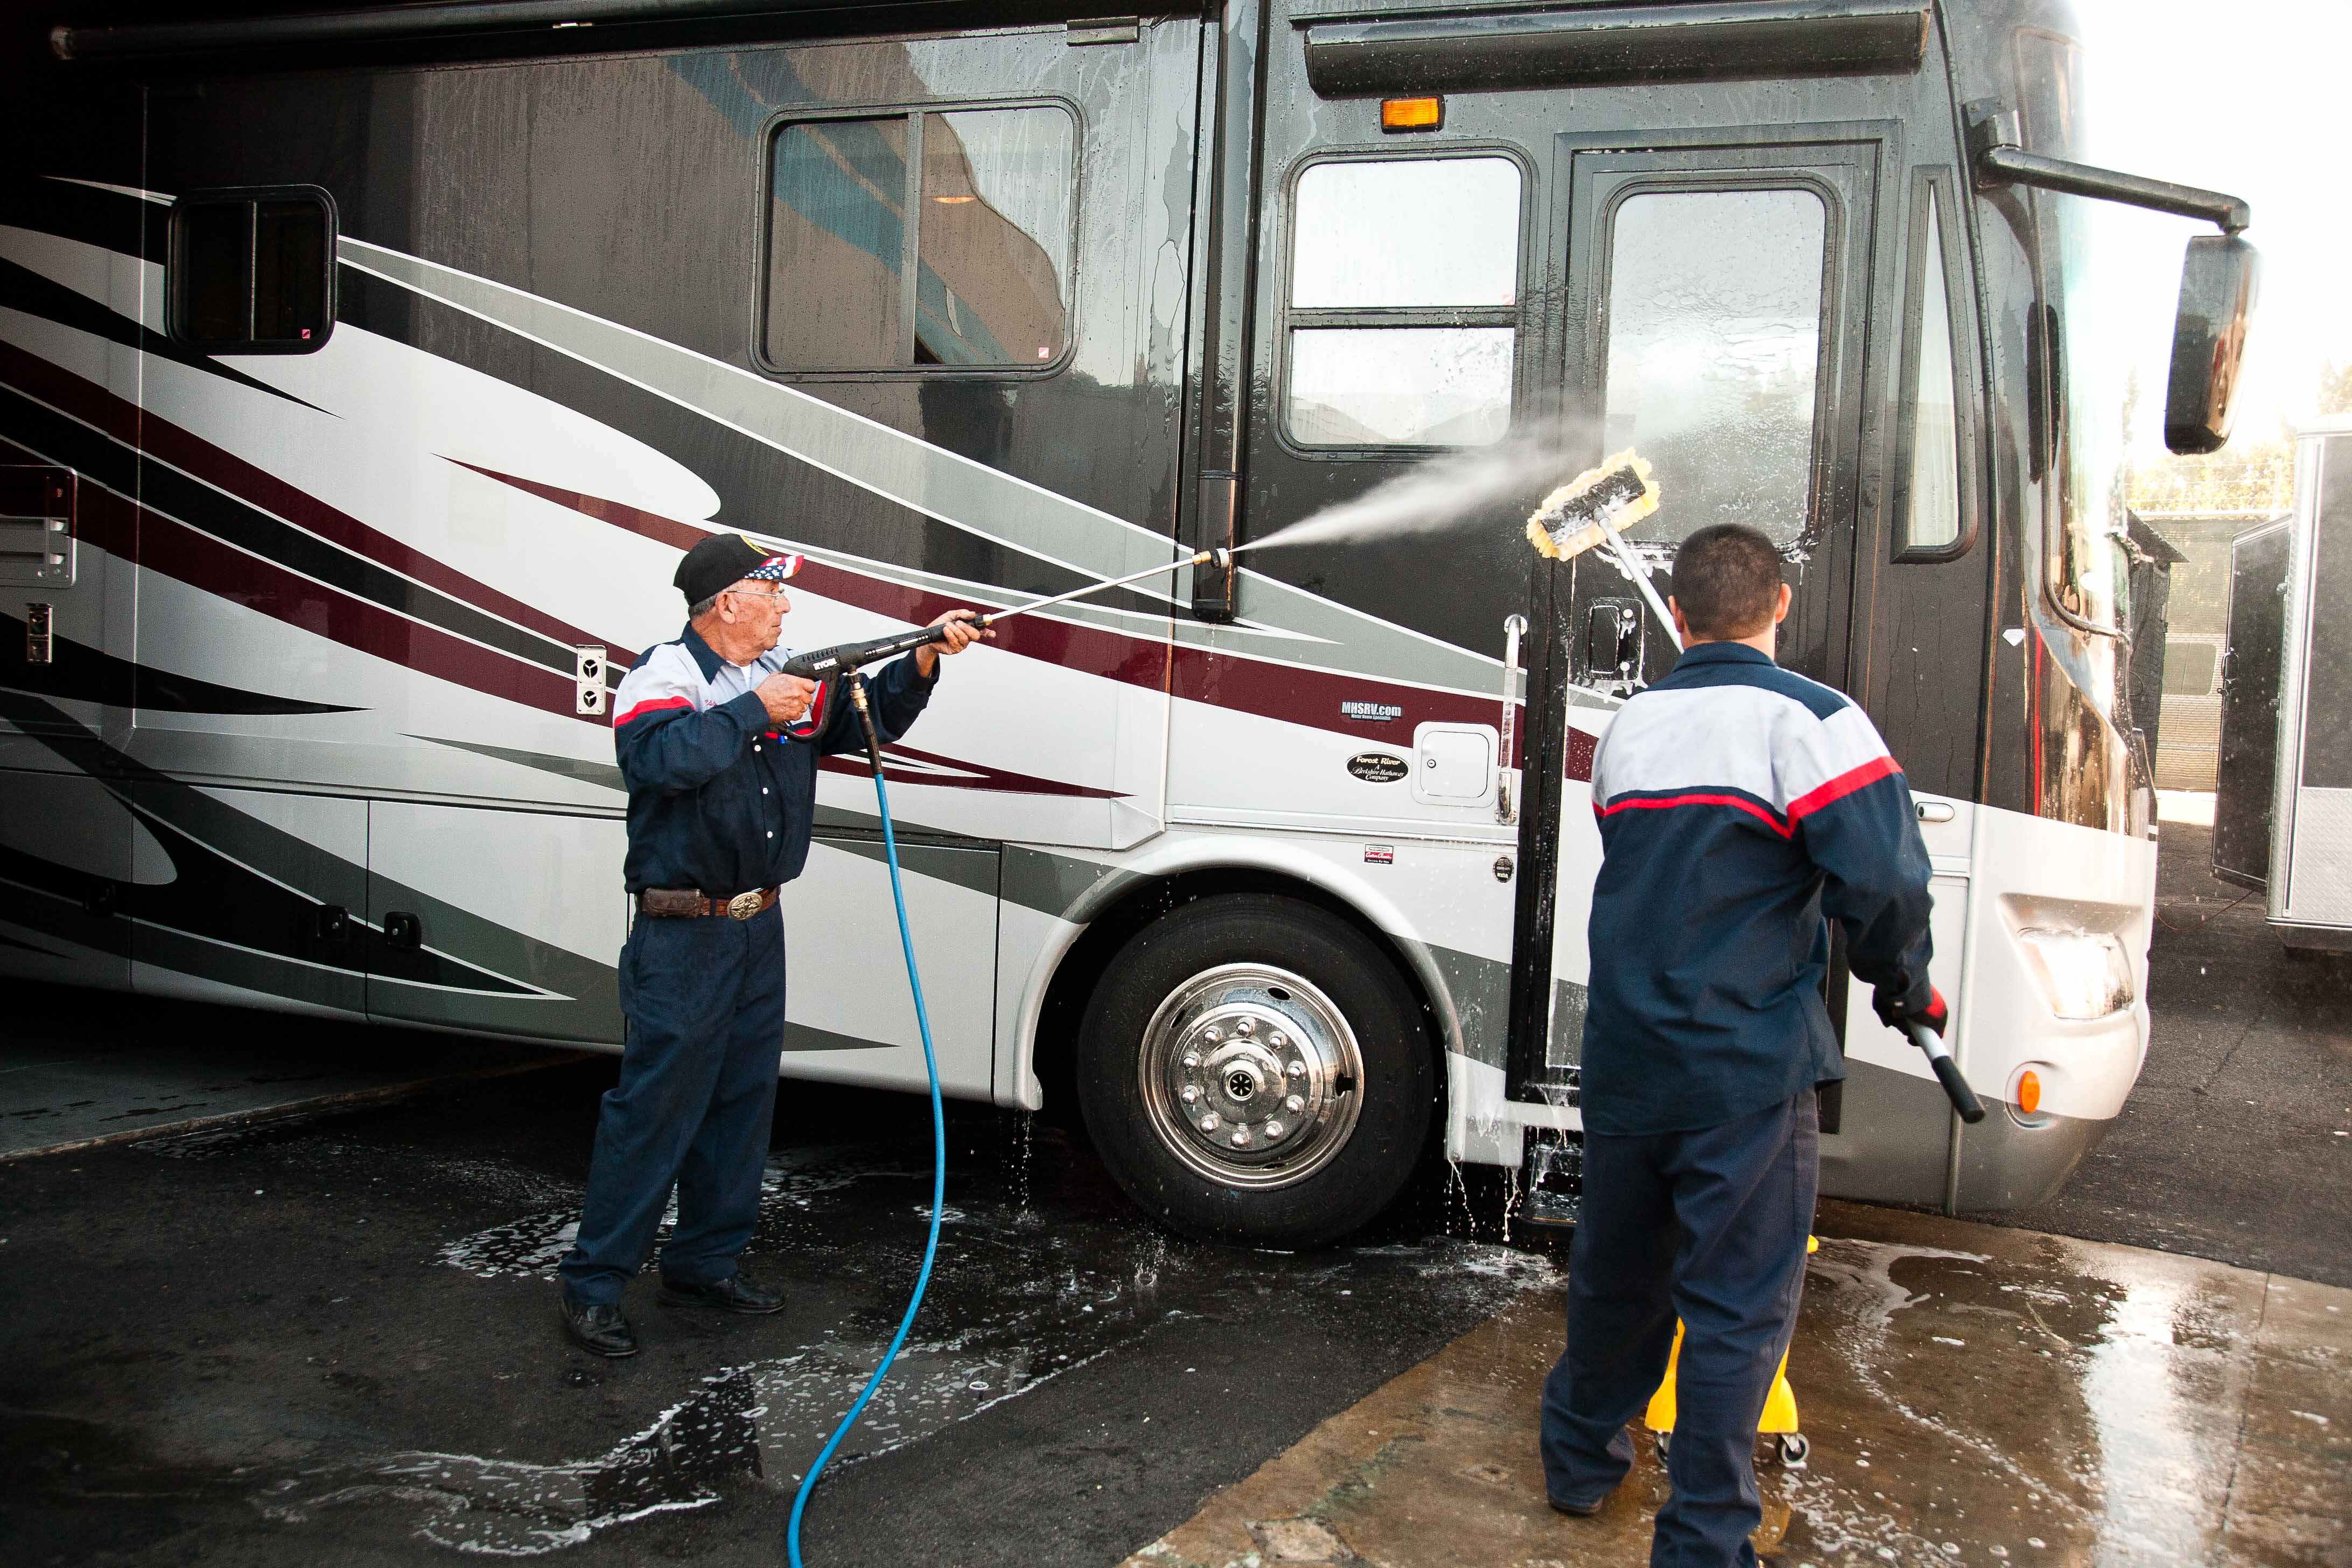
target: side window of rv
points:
(1933, 500)
(899, 241)
(252, 272)
(1402, 314)
(1715, 332)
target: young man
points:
(719, 749)
(1739, 804)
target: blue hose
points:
(939, 1184)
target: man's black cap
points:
(728, 558)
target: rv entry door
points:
(1714, 312)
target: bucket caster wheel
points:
(1665, 1441)
(1793, 1448)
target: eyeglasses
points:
(776, 592)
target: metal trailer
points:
(2283, 812)
(366, 372)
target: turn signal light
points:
(2029, 1091)
(1413, 113)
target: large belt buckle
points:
(743, 906)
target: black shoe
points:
(1576, 1509)
(735, 1293)
(598, 1330)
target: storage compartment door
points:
(851, 1019)
(506, 922)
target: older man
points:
(718, 750)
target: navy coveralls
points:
(721, 802)
(1740, 803)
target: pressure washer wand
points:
(842, 658)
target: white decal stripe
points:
(959, 491)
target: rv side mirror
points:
(2218, 281)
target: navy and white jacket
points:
(719, 799)
(1740, 803)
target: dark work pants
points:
(705, 1001)
(1710, 1226)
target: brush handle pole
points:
(1090, 588)
(1640, 575)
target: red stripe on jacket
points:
(652, 705)
(1844, 784)
(1657, 803)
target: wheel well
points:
(1082, 966)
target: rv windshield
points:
(2090, 366)
(2086, 353)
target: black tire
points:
(1317, 1191)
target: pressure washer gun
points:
(1948, 1071)
(1596, 508)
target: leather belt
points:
(690, 902)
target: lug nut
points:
(1278, 1040)
(1272, 1131)
(1241, 1137)
(1246, 1026)
(1298, 1069)
(1209, 1122)
(1191, 1060)
(1191, 1091)
(1293, 1104)
(1212, 1034)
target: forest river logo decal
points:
(1377, 767)
(1370, 712)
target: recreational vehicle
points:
(363, 375)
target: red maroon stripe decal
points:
(1295, 694)
(162, 439)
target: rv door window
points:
(252, 272)
(1930, 504)
(1714, 332)
(1402, 322)
(898, 241)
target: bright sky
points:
(2247, 97)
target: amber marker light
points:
(2029, 1091)
(1413, 113)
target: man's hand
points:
(1932, 1014)
(786, 697)
(961, 635)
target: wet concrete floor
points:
(80, 1068)
(1970, 1394)
(335, 1339)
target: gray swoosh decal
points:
(956, 489)
(604, 773)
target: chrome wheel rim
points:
(1250, 1076)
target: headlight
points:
(2084, 973)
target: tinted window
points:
(996, 238)
(978, 202)
(1432, 231)
(252, 272)
(836, 240)
(1439, 387)
(1714, 327)
(1403, 315)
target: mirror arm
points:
(2000, 161)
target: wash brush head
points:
(1578, 516)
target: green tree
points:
(2334, 389)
